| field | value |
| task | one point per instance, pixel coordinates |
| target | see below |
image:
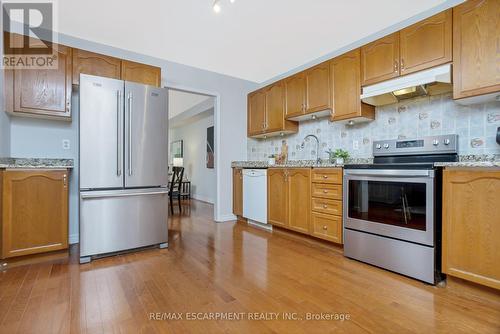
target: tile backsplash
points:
(424, 116)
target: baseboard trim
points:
(202, 198)
(226, 218)
(74, 239)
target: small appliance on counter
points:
(392, 208)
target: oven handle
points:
(390, 172)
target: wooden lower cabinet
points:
(277, 197)
(292, 201)
(299, 192)
(471, 225)
(34, 211)
(238, 191)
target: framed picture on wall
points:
(210, 147)
(176, 150)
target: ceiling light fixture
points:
(216, 6)
(232, 1)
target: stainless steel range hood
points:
(433, 81)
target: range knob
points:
(386, 146)
(378, 146)
(446, 141)
(435, 142)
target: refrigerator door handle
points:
(119, 147)
(122, 193)
(130, 133)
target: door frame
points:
(217, 163)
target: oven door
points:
(392, 203)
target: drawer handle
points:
(325, 176)
(325, 191)
(325, 206)
(325, 227)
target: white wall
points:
(194, 136)
(42, 138)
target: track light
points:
(216, 6)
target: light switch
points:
(66, 144)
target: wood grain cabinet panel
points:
(256, 114)
(275, 107)
(42, 92)
(326, 227)
(471, 225)
(329, 206)
(318, 90)
(427, 43)
(326, 190)
(141, 73)
(327, 175)
(476, 48)
(380, 60)
(299, 193)
(94, 64)
(238, 191)
(295, 95)
(34, 212)
(277, 197)
(345, 72)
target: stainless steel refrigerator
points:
(123, 166)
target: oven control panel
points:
(445, 144)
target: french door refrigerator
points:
(123, 166)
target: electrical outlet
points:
(66, 144)
(355, 145)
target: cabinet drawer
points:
(327, 227)
(330, 206)
(326, 190)
(327, 175)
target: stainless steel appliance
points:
(392, 208)
(123, 166)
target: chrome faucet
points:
(318, 160)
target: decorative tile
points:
(402, 109)
(423, 115)
(391, 120)
(401, 137)
(476, 142)
(493, 117)
(435, 124)
(366, 141)
(343, 134)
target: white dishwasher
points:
(255, 195)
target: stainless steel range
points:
(392, 208)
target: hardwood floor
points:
(230, 267)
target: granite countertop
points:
(298, 163)
(28, 163)
(479, 161)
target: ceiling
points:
(179, 101)
(250, 39)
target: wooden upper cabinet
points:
(298, 182)
(275, 107)
(141, 73)
(426, 43)
(42, 92)
(380, 60)
(277, 204)
(476, 43)
(94, 64)
(318, 91)
(345, 71)
(238, 191)
(34, 211)
(471, 225)
(295, 95)
(256, 114)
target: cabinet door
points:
(380, 60)
(299, 199)
(295, 95)
(94, 64)
(44, 92)
(471, 225)
(141, 73)
(35, 212)
(256, 116)
(276, 197)
(476, 55)
(237, 192)
(427, 43)
(346, 85)
(275, 107)
(318, 92)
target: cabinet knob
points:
(65, 180)
(396, 66)
(325, 191)
(402, 64)
(325, 227)
(325, 176)
(325, 206)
